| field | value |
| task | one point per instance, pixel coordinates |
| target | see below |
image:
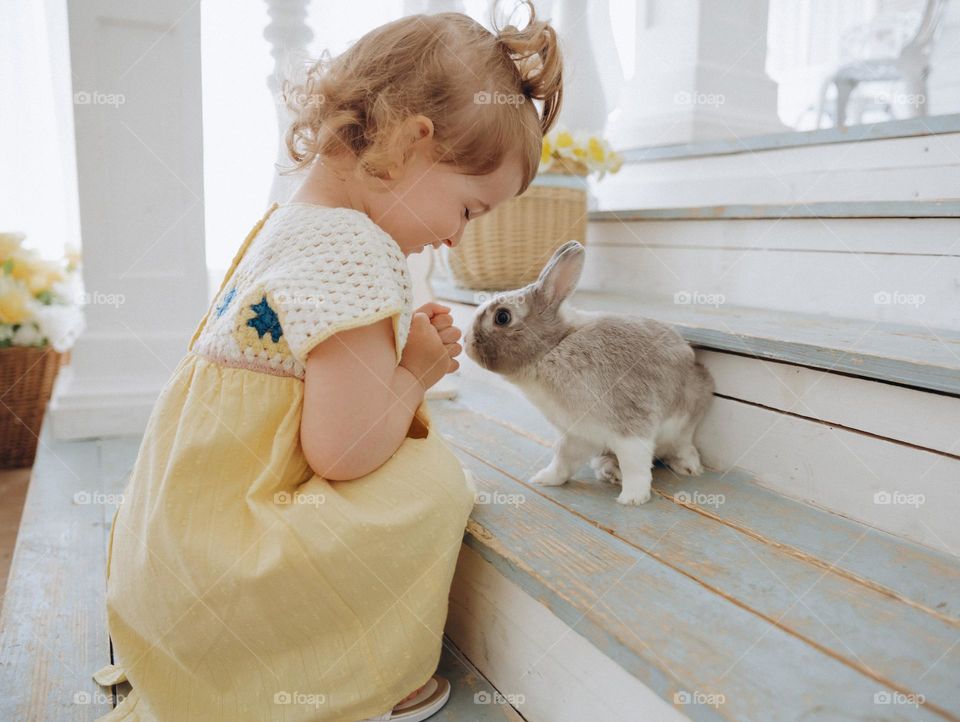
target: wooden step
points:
(726, 600)
(823, 209)
(53, 632)
(905, 128)
(918, 356)
(472, 697)
(892, 262)
(846, 166)
(835, 440)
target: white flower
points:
(27, 334)
(61, 325)
(70, 289)
(31, 322)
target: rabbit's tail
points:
(700, 391)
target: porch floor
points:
(717, 589)
(53, 627)
(717, 586)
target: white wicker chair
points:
(909, 64)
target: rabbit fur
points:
(622, 390)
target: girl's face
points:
(430, 204)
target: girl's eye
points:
(502, 317)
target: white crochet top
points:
(304, 273)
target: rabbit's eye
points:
(502, 317)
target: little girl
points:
(289, 533)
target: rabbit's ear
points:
(559, 277)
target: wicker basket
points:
(27, 374)
(508, 247)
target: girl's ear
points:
(410, 131)
(422, 127)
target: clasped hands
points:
(431, 347)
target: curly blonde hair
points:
(476, 87)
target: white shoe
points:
(471, 484)
(428, 701)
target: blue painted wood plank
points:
(908, 650)
(659, 623)
(918, 356)
(472, 697)
(104, 466)
(924, 577)
(117, 456)
(53, 625)
(843, 209)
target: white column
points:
(579, 25)
(943, 85)
(699, 74)
(288, 35)
(137, 119)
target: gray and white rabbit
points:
(622, 390)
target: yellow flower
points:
(9, 244)
(547, 150)
(14, 304)
(580, 148)
(596, 149)
(34, 272)
(22, 264)
(46, 274)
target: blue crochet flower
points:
(266, 320)
(226, 301)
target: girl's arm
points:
(358, 403)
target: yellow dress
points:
(242, 586)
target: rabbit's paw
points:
(635, 490)
(606, 468)
(634, 497)
(547, 477)
(686, 463)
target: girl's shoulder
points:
(308, 272)
(327, 268)
(333, 236)
(327, 246)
